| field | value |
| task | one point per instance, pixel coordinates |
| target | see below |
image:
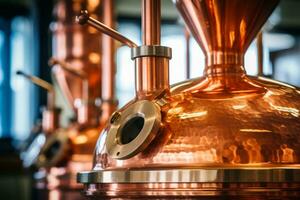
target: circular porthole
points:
(135, 127)
(131, 129)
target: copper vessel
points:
(225, 135)
(50, 122)
(81, 50)
(83, 64)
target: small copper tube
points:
(109, 102)
(259, 45)
(84, 18)
(50, 115)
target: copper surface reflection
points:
(223, 134)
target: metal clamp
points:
(155, 50)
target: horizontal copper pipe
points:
(84, 18)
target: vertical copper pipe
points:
(260, 54)
(108, 64)
(187, 36)
(152, 76)
(152, 73)
(151, 22)
(50, 120)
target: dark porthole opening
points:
(131, 129)
(52, 150)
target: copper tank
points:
(225, 135)
(83, 65)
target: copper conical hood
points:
(225, 25)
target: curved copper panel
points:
(224, 118)
(225, 26)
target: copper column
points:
(152, 72)
(109, 102)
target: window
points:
(17, 99)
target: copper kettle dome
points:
(225, 133)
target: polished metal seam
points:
(191, 176)
(155, 50)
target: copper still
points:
(50, 122)
(83, 65)
(225, 135)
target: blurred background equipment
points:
(83, 65)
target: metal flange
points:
(132, 130)
(209, 175)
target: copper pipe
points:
(260, 54)
(187, 36)
(84, 18)
(43, 84)
(50, 120)
(82, 109)
(152, 76)
(151, 22)
(152, 73)
(108, 64)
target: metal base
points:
(275, 183)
